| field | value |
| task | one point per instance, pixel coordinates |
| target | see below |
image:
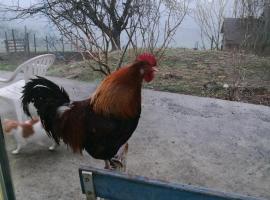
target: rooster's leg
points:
(113, 164)
(107, 164)
(116, 164)
(119, 161)
(122, 152)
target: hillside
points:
(200, 73)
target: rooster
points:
(101, 124)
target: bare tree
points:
(265, 39)
(109, 16)
(255, 16)
(158, 26)
(209, 16)
(248, 8)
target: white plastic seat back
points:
(36, 66)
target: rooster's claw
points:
(116, 163)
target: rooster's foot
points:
(113, 164)
(107, 164)
(116, 163)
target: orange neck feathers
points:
(119, 94)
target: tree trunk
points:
(116, 43)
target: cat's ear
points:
(8, 125)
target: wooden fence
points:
(17, 44)
(29, 42)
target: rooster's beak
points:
(155, 69)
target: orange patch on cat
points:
(27, 127)
(9, 124)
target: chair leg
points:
(18, 110)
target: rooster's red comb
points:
(148, 57)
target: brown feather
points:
(71, 125)
(120, 93)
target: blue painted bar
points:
(113, 185)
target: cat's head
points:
(10, 126)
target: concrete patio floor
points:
(205, 142)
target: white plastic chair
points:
(36, 66)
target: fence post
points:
(77, 44)
(71, 39)
(212, 42)
(6, 42)
(47, 45)
(63, 47)
(14, 41)
(35, 45)
(27, 43)
(25, 40)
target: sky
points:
(186, 36)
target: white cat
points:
(30, 131)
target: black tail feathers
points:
(46, 97)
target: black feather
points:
(46, 97)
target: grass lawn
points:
(200, 73)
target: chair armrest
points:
(11, 78)
(5, 80)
